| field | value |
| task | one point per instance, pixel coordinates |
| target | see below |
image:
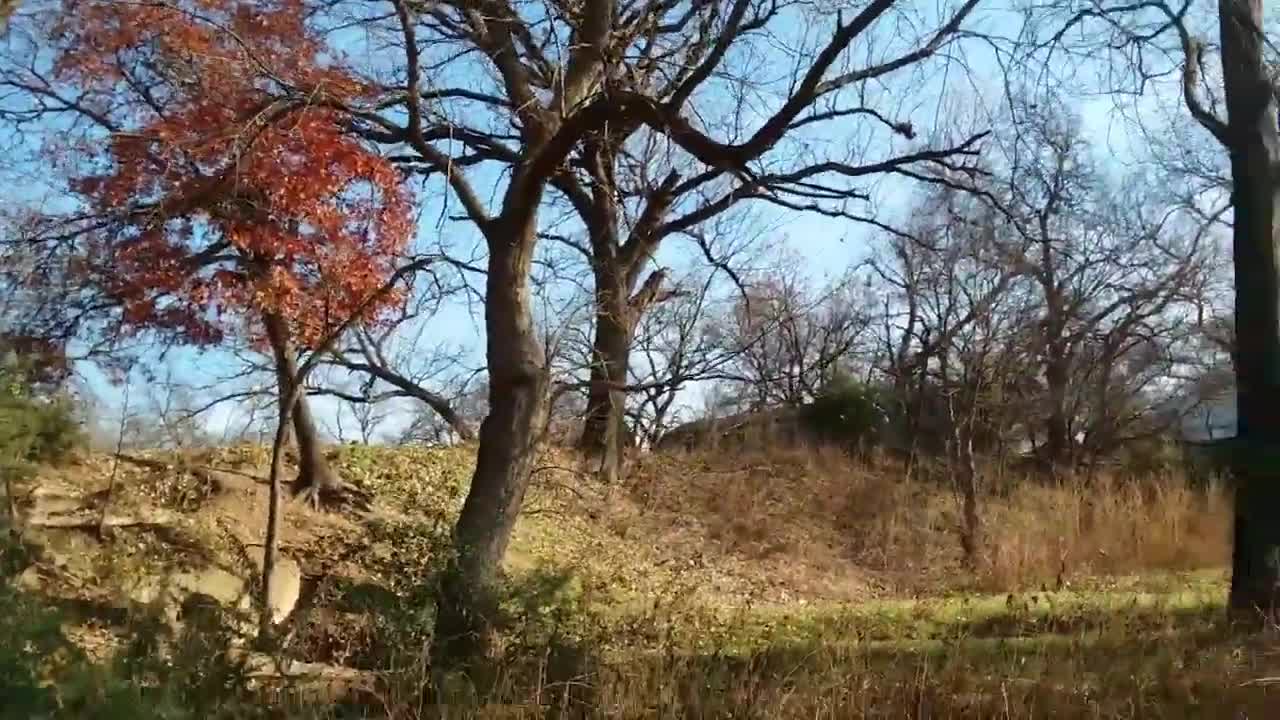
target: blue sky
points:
(827, 246)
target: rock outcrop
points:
(64, 526)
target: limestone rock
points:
(286, 583)
(226, 588)
(29, 579)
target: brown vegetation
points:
(804, 513)
(934, 476)
(779, 583)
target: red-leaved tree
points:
(221, 191)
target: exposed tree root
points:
(329, 492)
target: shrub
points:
(34, 428)
(155, 676)
(29, 635)
(846, 412)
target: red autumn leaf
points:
(222, 201)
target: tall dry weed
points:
(865, 513)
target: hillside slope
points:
(178, 510)
(778, 532)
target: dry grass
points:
(774, 584)
(824, 514)
(1116, 526)
(1074, 679)
(770, 527)
(1073, 655)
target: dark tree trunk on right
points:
(1254, 145)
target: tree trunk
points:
(1058, 440)
(1255, 157)
(966, 475)
(315, 478)
(964, 470)
(271, 541)
(509, 436)
(602, 430)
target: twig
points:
(115, 463)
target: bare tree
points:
(787, 340)
(169, 404)
(412, 370)
(1113, 285)
(632, 192)
(508, 91)
(1235, 101)
(470, 400)
(947, 287)
(396, 358)
(976, 322)
(1055, 312)
(368, 418)
(678, 349)
(673, 352)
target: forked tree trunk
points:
(315, 478)
(1255, 171)
(602, 431)
(518, 383)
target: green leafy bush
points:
(156, 676)
(847, 413)
(29, 637)
(33, 428)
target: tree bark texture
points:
(964, 472)
(603, 425)
(509, 436)
(616, 264)
(1059, 445)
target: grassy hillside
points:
(780, 584)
